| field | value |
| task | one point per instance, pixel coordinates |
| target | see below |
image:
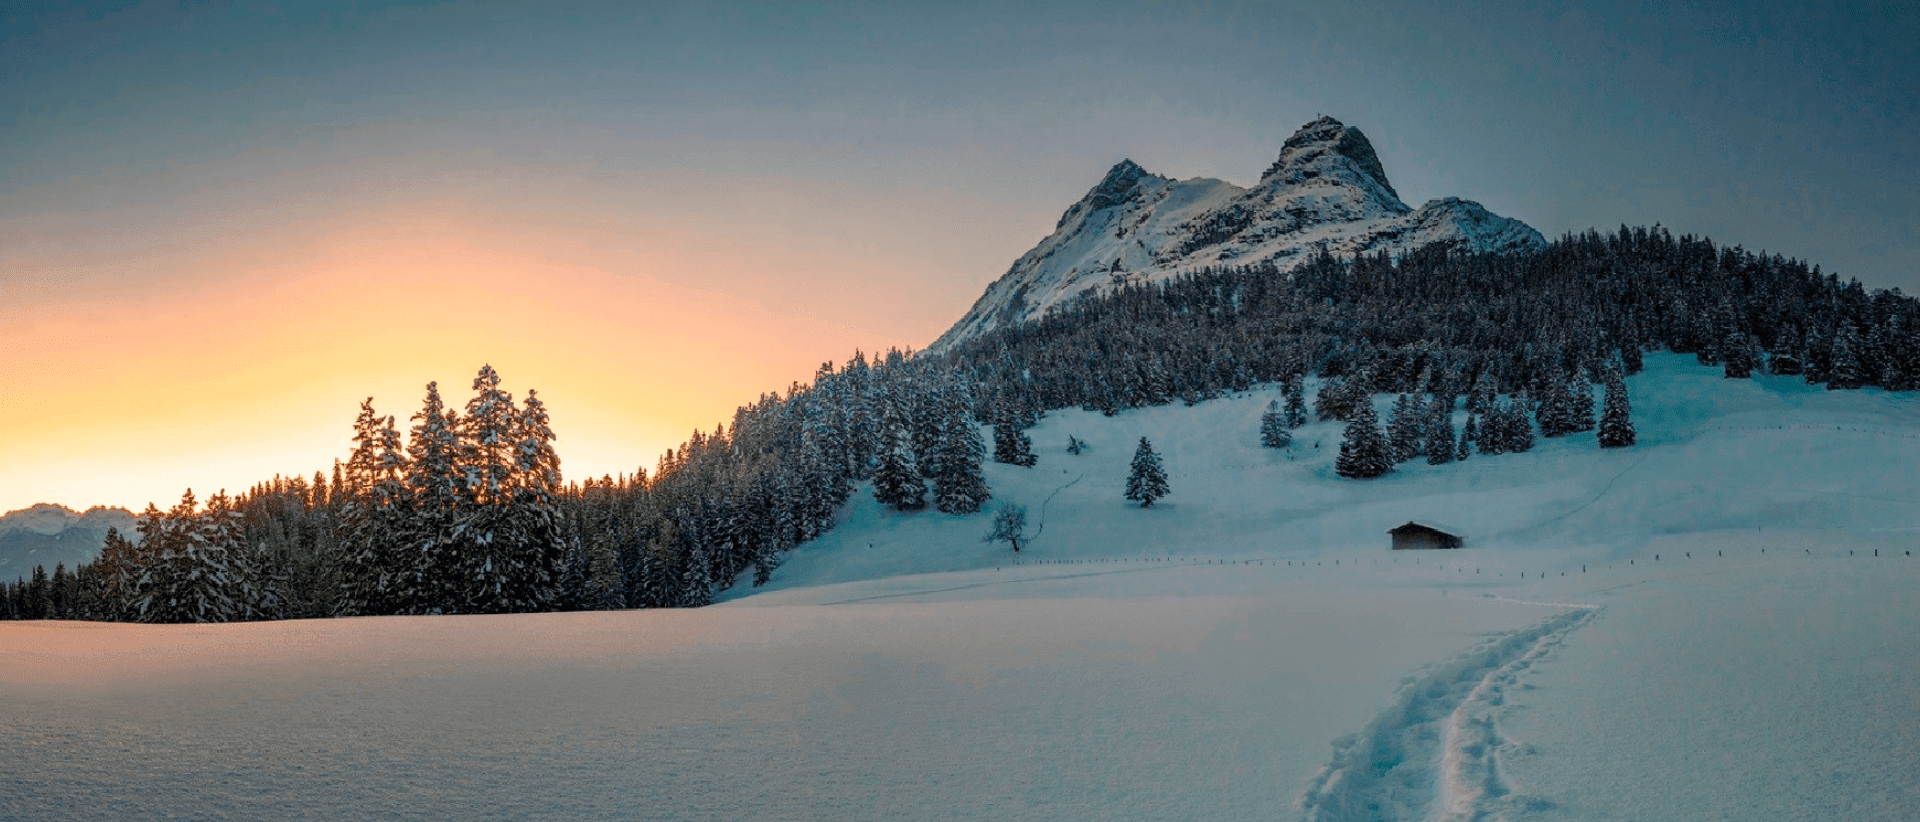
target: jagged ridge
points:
(1327, 189)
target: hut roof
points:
(1428, 525)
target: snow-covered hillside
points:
(1327, 190)
(1721, 622)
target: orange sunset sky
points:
(222, 225)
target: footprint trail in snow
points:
(1435, 752)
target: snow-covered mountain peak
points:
(1328, 190)
(1120, 184)
(42, 518)
(1327, 149)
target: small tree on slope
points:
(1011, 446)
(1616, 424)
(1273, 427)
(1296, 414)
(1148, 482)
(1009, 525)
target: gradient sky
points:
(222, 225)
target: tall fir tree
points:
(1296, 412)
(372, 516)
(1616, 419)
(896, 475)
(537, 546)
(428, 562)
(1011, 446)
(1403, 429)
(1440, 443)
(1147, 480)
(1580, 407)
(1847, 371)
(1553, 412)
(1520, 425)
(1737, 355)
(483, 537)
(960, 487)
(1363, 448)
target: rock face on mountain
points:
(1327, 190)
(51, 534)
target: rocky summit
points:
(1327, 190)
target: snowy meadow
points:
(1721, 622)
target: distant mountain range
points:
(51, 534)
(1327, 190)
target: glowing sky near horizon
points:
(222, 225)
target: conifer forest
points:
(464, 510)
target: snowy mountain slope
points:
(1713, 454)
(1326, 190)
(50, 534)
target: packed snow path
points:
(1435, 752)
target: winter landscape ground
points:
(1720, 622)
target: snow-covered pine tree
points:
(371, 516)
(1616, 423)
(185, 579)
(1147, 480)
(1364, 453)
(1630, 357)
(1555, 412)
(1520, 434)
(1580, 409)
(1403, 430)
(1491, 437)
(1467, 434)
(534, 555)
(960, 487)
(1847, 372)
(116, 568)
(244, 591)
(483, 540)
(1480, 399)
(1737, 355)
(428, 564)
(1817, 363)
(1273, 427)
(896, 476)
(1333, 401)
(1901, 371)
(1011, 446)
(1296, 413)
(1440, 443)
(924, 402)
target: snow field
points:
(1718, 623)
(1147, 697)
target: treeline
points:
(469, 514)
(466, 513)
(1443, 319)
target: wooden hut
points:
(1419, 535)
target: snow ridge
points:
(1435, 752)
(1328, 190)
